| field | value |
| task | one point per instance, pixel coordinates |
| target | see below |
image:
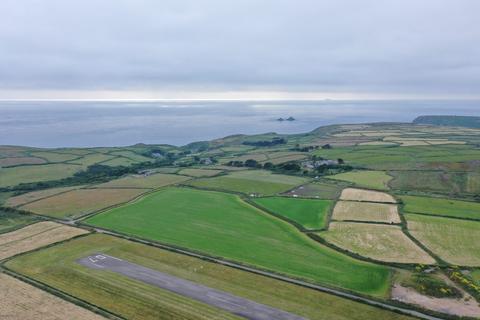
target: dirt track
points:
(220, 299)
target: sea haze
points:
(90, 124)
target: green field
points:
(475, 274)
(370, 179)
(250, 181)
(10, 221)
(54, 156)
(57, 267)
(311, 214)
(442, 207)
(91, 159)
(223, 225)
(139, 181)
(454, 241)
(35, 173)
(194, 172)
(392, 158)
(455, 183)
(318, 190)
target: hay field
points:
(353, 194)
(36, 195)
(76, 203)
(311, 214)
(194, 172)
(222, 225)
(250, 181)
(370, 179)
(35, 236)
(152, 181)
(19, 300)
(442, 207)
(130, 298)
(453, 240)
(375, 241)
(366, 211)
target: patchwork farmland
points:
(282, 225)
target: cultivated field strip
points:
(19, 300)
(366, 211)
(80, 202)
(376, 241)
(35, 236)
(36, 195)
(353, 194)
(453, 240)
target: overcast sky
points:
(239, 48)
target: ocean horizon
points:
(52, 124)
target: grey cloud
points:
(401, 46)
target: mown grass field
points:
(454, 241)
(376, 241)
(442, 207)
(377, 157)
(57, 267)
(36, 195)
(194, 172)
(35, 173)
(223, 225)
(54, 156)
(76, 203)
(251, 181)
(139, 181)
(11, 220)
(366, 211)
(311, 214)
(8, 162)
(455, 183)
(35, 236)
(370, 179)
(318, 190)
(19, 300)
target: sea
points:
(121, 123)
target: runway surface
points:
(217, 298)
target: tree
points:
(251, 163)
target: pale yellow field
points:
(35, 236)
(376, 241)
(453, 240)
(36, 195)
(366, 211)
(79, 202)
(19, 300)
(366, 195)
